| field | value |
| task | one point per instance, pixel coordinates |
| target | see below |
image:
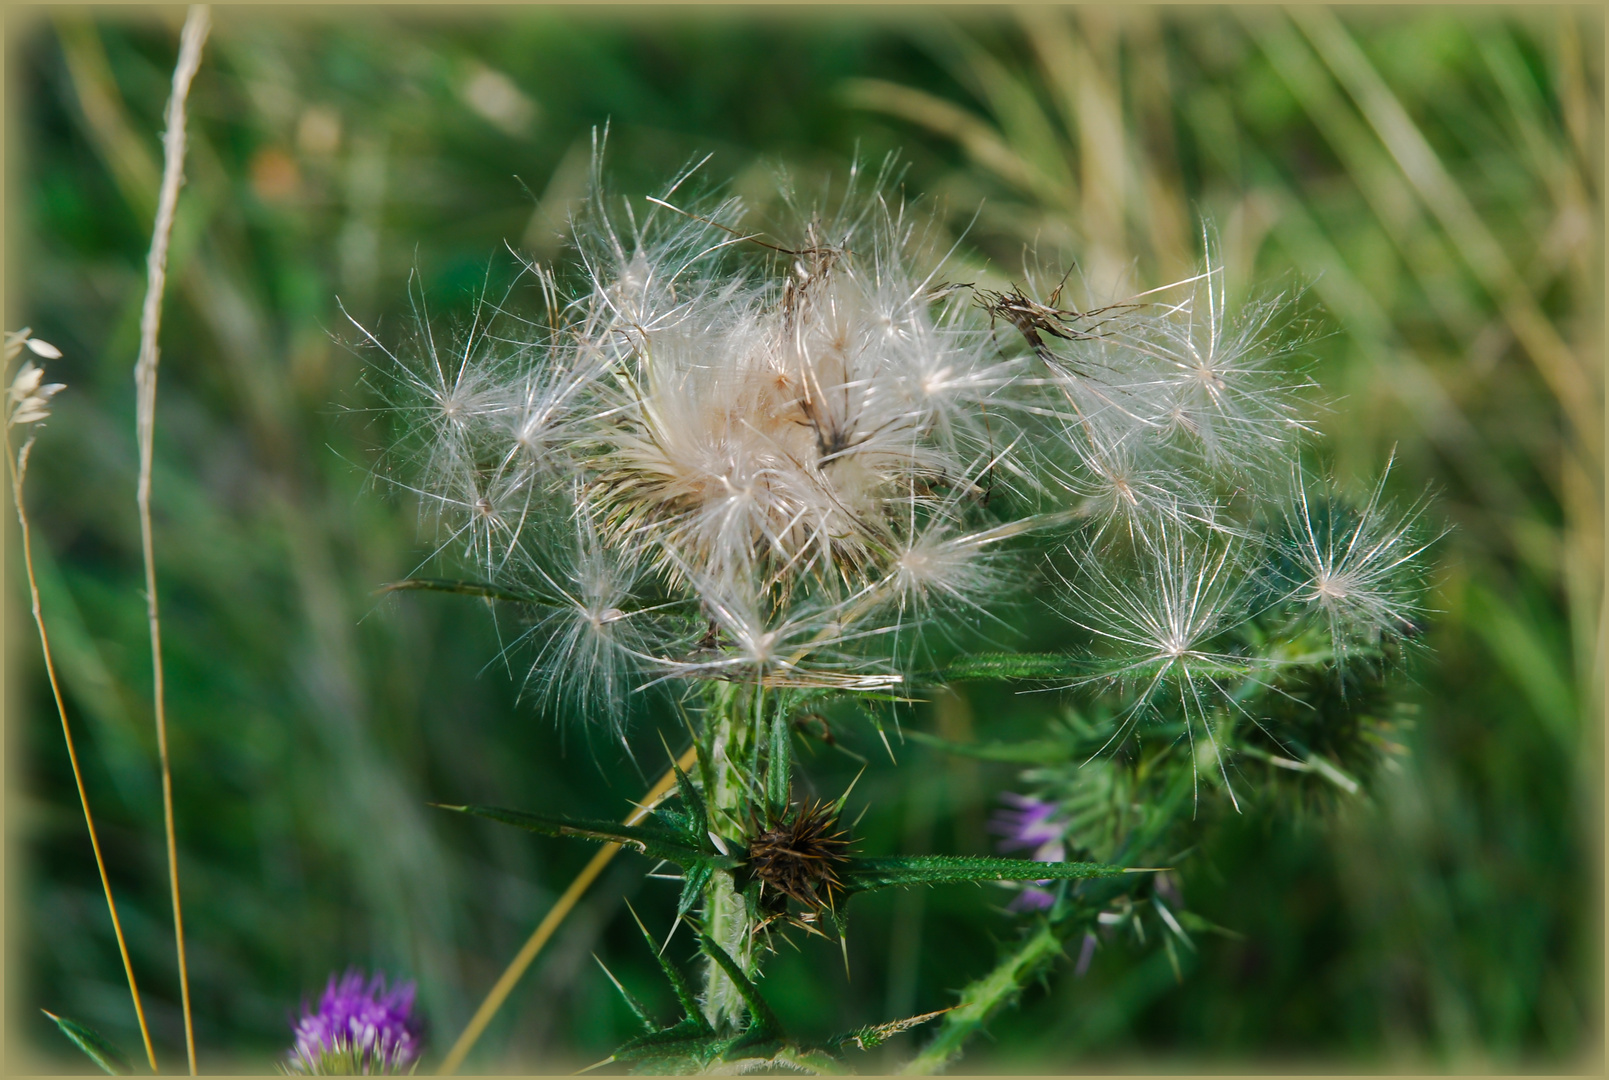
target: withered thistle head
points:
(796, 856)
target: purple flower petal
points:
(374, 1022)
(1031, 898)
(1028, 822)
(1029, 825)
(1085, 954)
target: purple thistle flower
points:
(358, 1028)
(1028, 822)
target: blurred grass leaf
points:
(100, 1051)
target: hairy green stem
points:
(732, 737)
(985, 997)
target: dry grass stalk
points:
(26, 411)
(196, 25)
(550, 923)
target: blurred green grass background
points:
(1433, 177)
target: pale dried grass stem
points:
(196, 25)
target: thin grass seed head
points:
(28, 397)
(17, 340)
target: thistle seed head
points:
(1355, 569)
(797, 856)
(728, 455)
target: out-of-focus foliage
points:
(1433, 177)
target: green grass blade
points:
(101, 1052)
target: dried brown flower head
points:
(797, 856)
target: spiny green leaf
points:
(777, 766)
(683, 849)
(816, 1061)
(1013, 666)
(678, 982)
(677, 820)
(1052, 666)
(638, 1009)
(778, 1058)
(691, 799)
(686, 1030)
(706, 767)
(986, 996)
(765, 1021)
(863, 874)
(101, 1052)
(685, 1053)
(693, 818)
(695, 878)
(685, 1048)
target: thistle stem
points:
(985, 997)
(730, 732)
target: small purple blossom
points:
(359, 1027)
(1029, 825)
(1086, 953)
(1029, 822)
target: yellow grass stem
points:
(550, 922)
(194, 34)
(19, 468)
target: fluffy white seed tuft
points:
(724, 455)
